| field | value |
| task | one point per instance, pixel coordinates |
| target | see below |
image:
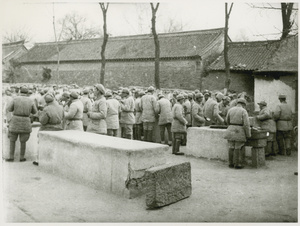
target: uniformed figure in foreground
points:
(138, 115)
(283, 117)
(267, 123)
(178, 125)
(97, 122)
(20, 125)
(237, 133)
(74, 114)
(211, 111)
(127, 118)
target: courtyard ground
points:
(219, 194)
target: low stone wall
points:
(102, 162)
(31, 144)
(208, 143)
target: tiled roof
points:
(246, 56)
(10, 48)
(179, 44)
(285, 58)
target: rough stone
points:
(168, 184)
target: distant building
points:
(10, 52)
(263, 69)
(129, 59)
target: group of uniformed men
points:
(102, 111)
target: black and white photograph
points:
(149, 112)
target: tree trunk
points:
(105, 39)
(226, 60)
(57, 48)
(157, 48)
(286, 11)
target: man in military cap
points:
(164, 110)
(97, 123)
(211, 112)
(138, 115)
(179, 123)
(237, 133)
(283, 116)
(187, 115)
(113, 111)
(197, 111)
(267, 123)
(173, 100)
(127, 116)
(75, 113)
(224, 107)
(148, 107)
(87, 106)
(20, 125)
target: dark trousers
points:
(284, 142)
(112, 132)
(24, 137)
(176, 141)
(162, 129)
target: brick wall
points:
(173, 74)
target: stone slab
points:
(99, 161)
(31, 144)
(258, 157)
(168, 184)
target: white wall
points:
(269, 89)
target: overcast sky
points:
(36, 17)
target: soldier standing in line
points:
(148, 106)
(267, 123)
(187, 115)
(164, 109)
(113, 111)
(127, 117)
(211, 112)
(74, 114)
(138, 115)
(178, 127)
(237, 133)
(87, 106)
(191, 97)
(20, 125)
(283, 116)
(224, 107)
(173, 99)
(97, 116)
(197, 111)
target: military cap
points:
(180, 97)
(219, 95)
(24, 89)
(48, 98)
(205, 91)
(197, 91)
(30, 91)
(241, 101)
(263, 103)
(108, 94)
(74, 94)
(185, 95)
(160, 96)
(190, 95)
(101, 88)
(150, 89)
(125, 90)
(282, 96)
(227, 98)
(198, 95)
(66, 94)
(85, 91)
(141, 93)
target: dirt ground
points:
(219, 194)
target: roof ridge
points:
(138, 36)
(14, 43)
(255, 42)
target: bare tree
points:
(16, 35)
(288, 15)
(173, 26)
(286, 12)
(226, 61)
(75, 27)
(105, 39)
(156, 43)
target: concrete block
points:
(31, 144)
(207, 143)
(99, 161)
(258, 157)
(168, 184)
